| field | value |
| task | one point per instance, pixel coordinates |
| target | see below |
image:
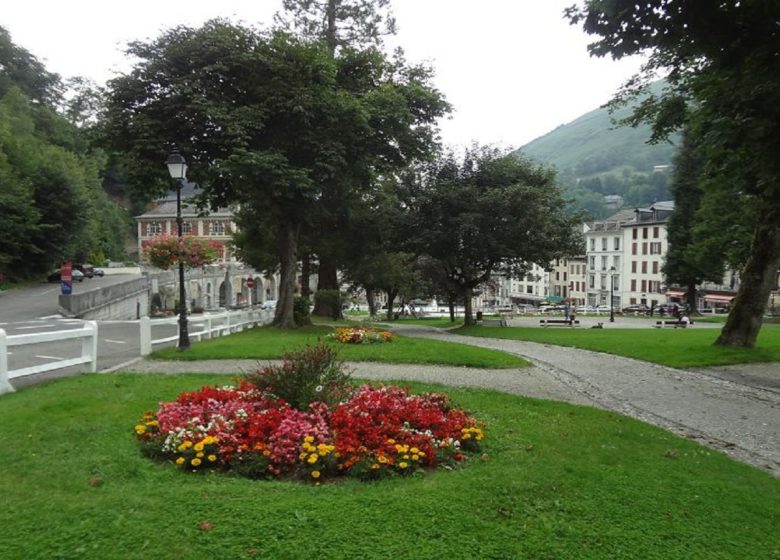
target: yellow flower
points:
(308, 439)
(186, 444)
(266, 453)
(140, 429)
(467, 436)
(403, 464)
(180, 461)
(313, 458)
(301, 456)
(390, 442)
(382, 459)
(415, 457)
(414, 450)
(195, 462)
(405, 457)
(315, 474)
(152, 423)
(374, 466)
(199, 446)
(212, 458)
(199, 454)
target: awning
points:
(675, 293)
(554, 299)
(718, 298)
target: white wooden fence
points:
(88, 335)
(209, 325)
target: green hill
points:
(596, 158)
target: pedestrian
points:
(566, 311)
(571, 318)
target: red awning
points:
(718, 298)
(675, 293)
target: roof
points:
(165, 207)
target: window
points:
(644, 285)
(633, 284)
(616, 262)
(529, 289)
(565, 276)
(592, 283)
(217, 228)
(655, 267)
(633, 248)
(655, 248)
(603, 243)
(154, 228)
(592, 243)
(644, 267)
(633, 267)
(644, 233)
(655, 233)
(592, 262)
(616, 243)
(616, 283)
(604, 262)
(186, 227)
(644, 248)
(633, 233)
(603, 281)
(557, 276)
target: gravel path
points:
(733, 409)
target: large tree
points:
(489, 213)
(721, 64)
(268, 122)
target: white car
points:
(268, 304)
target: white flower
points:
(318, 389)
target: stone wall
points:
(128, 300)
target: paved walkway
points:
(735, 410)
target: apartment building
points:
(604, 253)
(646, 241)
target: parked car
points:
(584, 309)
(100, 272)
(636, 308)
(55, 276)
(268, 304)
(669, 308)
(87, 269)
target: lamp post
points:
(612, 294)
(177, 167)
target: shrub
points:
(301, 310)
(330, 300)
(313, 374)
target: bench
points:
(559, 322)
(493, 322)
(675, 324)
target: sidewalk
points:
(734, 411)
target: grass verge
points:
(266, 343)
(557, 481)
(681, 348)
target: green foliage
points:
(305, 376)
(329, 299)
(301, 310)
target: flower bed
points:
(373, 432)
(163, 251)
(359, 335)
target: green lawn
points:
(438, 322)
(679, 348)
(557, 482)
(269, 343)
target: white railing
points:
(88, 335)
(209, 325)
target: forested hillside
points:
(52, 203)
(595, 157)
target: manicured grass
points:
(680, 348)
(557, 482)
(438, 322)
(270, 343)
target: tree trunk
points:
(758, 277)
(468, 320)
(288, 258)
(690, 297)
(451, 305)
(305, 275)
(330, 31)
(390, 298)
(371, 299)
(327, 279)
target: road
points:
(35, 309)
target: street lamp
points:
(177, 167)
(612, 294)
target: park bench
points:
(493, 322)
(675, 324)
(559, 322)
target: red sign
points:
(66, 277)
(250, 283)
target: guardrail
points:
(88, 334)
(210, 325)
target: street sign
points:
(66, 277)
(250, 283)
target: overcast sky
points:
(512, 69)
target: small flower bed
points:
(359, 335)
(371, 433)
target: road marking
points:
(48, 317)
(114, 341)
(49, 291)
(35, 327)
(48, 357)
